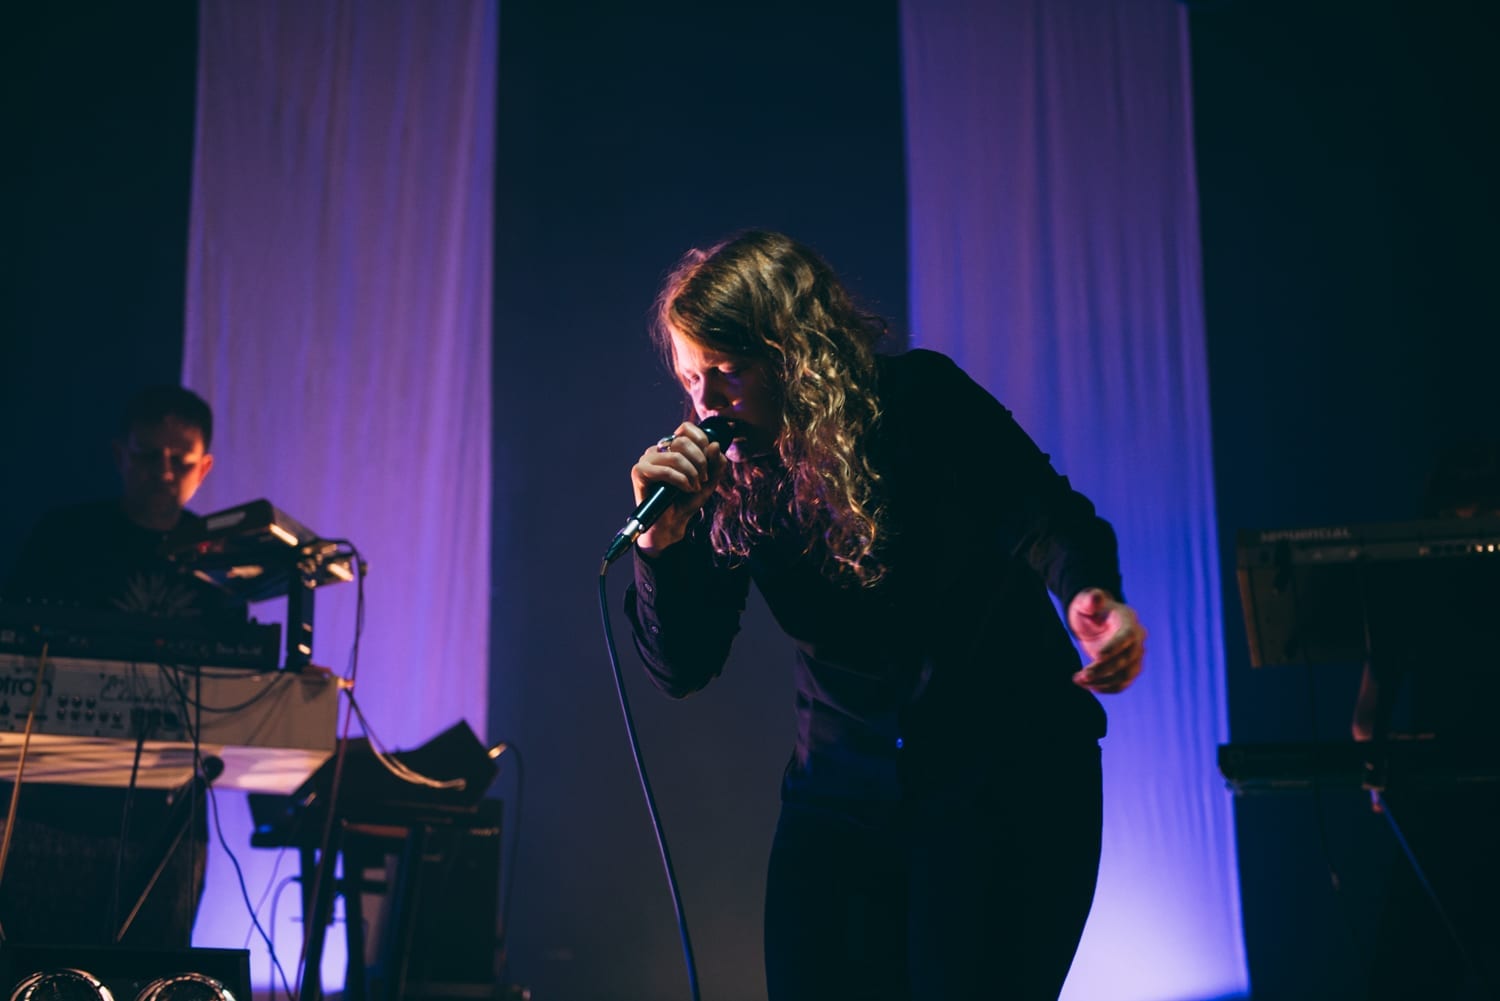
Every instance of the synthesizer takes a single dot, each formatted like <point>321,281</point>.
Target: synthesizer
<point>270,729</point>
<point>256,551</point>
<point>1399,761</point>
<point>1340,593</point>
<point>77,631</point>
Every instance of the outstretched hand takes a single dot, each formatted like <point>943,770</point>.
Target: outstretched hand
<point>1112,638</point>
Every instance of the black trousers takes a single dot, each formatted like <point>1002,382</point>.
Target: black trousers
<point>975,884</point>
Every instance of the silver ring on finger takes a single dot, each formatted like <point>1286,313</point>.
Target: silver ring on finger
<point>665,445</point>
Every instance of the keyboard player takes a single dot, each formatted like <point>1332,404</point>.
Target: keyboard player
<point>59,884</point>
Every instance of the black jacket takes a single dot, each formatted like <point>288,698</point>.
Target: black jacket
<point>959,648</point>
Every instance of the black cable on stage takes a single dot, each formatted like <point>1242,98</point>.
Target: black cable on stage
<point>145,728</point>
<point>239,875</point>
<point>640,770</point>
<point>194,725</point>
<point>508,876</point>
<point>195,791</point>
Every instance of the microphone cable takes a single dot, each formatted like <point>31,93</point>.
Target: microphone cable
<point>640,770</point>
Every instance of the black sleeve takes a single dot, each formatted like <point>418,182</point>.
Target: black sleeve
<point>1001,473</point>
<point>685,612</point>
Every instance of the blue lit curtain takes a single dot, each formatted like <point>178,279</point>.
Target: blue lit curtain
<point>339,320</point>
<point>1054,254</point>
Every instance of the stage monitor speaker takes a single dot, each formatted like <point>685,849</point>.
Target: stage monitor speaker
<point>98,973</point>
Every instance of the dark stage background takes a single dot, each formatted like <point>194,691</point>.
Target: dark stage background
<point>98,168</point>
<point>1345,165</point>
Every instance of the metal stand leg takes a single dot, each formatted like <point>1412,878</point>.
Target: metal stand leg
<point>178,825</point>
<point>299,623</point>
<point>317,919</point>
<point>352,886</point>
<point>403,898</point>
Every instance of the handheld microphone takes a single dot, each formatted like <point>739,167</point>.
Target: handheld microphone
<point>662,496</point>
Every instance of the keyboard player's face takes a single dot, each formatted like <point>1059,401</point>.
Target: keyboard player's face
<point>161,466</point>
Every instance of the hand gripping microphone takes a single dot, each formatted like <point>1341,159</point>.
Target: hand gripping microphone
<point>662,496</point>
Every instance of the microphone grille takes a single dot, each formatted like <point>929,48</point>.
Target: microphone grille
<point>720,429</point>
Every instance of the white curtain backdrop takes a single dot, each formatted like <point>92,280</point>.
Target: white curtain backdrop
<point>339,322</point>
<point>1054,254</point>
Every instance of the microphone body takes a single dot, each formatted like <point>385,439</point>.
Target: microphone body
<point>661,496</point>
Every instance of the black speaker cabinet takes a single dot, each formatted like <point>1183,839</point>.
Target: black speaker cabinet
<point>95,973</point>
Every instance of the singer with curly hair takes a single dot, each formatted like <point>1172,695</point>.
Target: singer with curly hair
<point>941,811</point>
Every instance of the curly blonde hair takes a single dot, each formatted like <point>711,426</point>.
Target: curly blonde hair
<point>765,297</point>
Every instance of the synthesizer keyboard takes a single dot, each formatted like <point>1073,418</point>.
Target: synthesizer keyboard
<point>270,729</point>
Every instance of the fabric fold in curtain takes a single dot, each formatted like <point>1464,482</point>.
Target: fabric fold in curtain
<point>339,322</point>
<point>1054,254</point>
